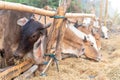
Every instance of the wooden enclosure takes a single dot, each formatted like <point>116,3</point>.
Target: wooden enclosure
<point>61,11</point>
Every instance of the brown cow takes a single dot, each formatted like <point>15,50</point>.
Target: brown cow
<point>11,31</point>
<point>90,31</point>
<point>73,44</point>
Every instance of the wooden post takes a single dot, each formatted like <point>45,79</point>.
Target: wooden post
<point>57,26</point>
<point>101,9</point>
<point>56,34</point>
<point>106,12</point>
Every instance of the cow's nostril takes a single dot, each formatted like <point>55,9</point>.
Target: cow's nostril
<point>98,59</point>
<point>16,56</point>
<point>83,49</point>
<point>92,44</point>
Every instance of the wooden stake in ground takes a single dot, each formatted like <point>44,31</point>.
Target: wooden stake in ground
<point>16,70</point>
<point>57,28</point>
<point>55,35</point>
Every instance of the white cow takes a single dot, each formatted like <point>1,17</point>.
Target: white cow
<point>86,21</point>
<point>104,30</point>
<point>82,35</point>
<point>96,24</point>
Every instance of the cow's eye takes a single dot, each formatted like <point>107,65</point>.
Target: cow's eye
<point>34,37</point>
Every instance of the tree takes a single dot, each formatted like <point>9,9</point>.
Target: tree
<point>37,3</point>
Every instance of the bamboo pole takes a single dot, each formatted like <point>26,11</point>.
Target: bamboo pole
<point>56,35</point>
<point>25,8</point>
<point>16,70</point>
<point>106,12</point>
<point>81,15</point>
<point>101,9</point>
<point>100,16</point>
<point>57,26</point>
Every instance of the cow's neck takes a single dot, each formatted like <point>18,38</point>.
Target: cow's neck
<point>77,32</point>
<point>82,35</point>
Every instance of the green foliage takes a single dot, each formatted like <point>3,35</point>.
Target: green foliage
<point>52,3</point>
<point>75,6</point>
<point>37,3</point>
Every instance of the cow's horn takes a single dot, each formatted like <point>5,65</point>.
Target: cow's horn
<point>47,25</point>
<point>85,39</point>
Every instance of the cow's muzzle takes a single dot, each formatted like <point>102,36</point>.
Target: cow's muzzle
<point>18,55</point>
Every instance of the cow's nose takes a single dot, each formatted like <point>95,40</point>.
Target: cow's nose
<point>98,59</point>
<point>16,56</point>
<point>92,44</point>
<point>106,38</point>
<point>99,48</point>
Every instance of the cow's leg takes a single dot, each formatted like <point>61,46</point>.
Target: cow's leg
<point>8,52</point>
<point>2,59</point>
<point>8,56</point>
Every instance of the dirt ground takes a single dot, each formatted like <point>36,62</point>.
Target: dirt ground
<point>83,69</point>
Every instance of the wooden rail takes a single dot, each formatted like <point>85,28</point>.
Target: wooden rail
<point>25,8</point>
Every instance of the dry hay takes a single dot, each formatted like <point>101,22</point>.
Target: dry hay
<point>114,73</point>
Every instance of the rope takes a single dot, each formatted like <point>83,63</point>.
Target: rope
<point>58,17</point>
<point>43,74</point>
<point>45,63</point>
<point>54,58</point>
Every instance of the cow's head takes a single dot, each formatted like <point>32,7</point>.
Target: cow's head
<point>105,32</point>
<point>90,51</point>
<point>31,31</point>
<point>96,34</point>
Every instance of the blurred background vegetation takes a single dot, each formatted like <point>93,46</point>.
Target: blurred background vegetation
<point>80,6</point>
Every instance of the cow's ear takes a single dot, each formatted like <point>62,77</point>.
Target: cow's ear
<point>22,21</point>
<point>93,32</point>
